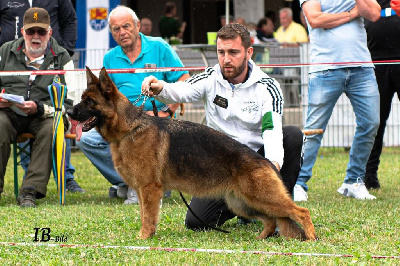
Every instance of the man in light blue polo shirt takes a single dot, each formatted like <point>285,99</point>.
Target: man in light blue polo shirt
<point>337,35</point>
<point>134,50</point>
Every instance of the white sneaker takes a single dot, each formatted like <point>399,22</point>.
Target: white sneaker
<point>355,190</point>
<point>132,197</point>
<point>299,194</point>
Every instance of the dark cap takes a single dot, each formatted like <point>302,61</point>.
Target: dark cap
<point>36,17</point>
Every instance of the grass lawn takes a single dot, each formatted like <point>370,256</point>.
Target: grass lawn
<point>345,226</point>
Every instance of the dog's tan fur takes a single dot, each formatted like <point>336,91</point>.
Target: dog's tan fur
<point>154,154</point>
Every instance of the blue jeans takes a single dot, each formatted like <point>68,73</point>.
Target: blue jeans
<point>324,89</point>
<point>97,150</point>
<point>69,169</point>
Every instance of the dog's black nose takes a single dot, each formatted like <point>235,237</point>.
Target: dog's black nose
<point>70,111</point>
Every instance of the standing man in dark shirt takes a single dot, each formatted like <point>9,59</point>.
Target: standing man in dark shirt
<point>384,44</point>
<point>169,24</point>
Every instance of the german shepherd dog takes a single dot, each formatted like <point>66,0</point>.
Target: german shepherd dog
<point>154,154</point>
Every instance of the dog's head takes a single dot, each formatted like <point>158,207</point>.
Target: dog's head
<point>96,104</point>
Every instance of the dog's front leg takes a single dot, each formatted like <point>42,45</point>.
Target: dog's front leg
<point>150,197</point>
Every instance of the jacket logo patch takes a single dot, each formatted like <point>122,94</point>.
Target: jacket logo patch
<point>221,101</point>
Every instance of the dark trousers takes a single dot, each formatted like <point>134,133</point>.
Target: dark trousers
<point>39,169</point>
<point>216,212</point>
<point>388,79</point>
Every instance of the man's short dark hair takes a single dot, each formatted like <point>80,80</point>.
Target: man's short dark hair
<point>169,6</point>
<point>232,31</point>
<point>262,22</point>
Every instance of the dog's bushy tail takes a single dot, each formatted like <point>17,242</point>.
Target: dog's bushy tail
<point>290,229</point>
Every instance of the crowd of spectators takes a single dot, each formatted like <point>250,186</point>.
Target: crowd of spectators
<point>266,30</point>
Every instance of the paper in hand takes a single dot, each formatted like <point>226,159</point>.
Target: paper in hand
<point>14,99</point>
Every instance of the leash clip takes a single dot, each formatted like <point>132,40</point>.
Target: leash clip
<point>138,99</point>
<point>145,97</point>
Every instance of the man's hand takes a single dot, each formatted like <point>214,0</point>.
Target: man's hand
<point>318,19</point>
<point>277,166</point>
<point>354,12</point>
<point>151,86</point>
<point>4,103</point>
<point>369,9</point>
<point>29,107</point>
<point>172,107</point>
<point>160,113</point>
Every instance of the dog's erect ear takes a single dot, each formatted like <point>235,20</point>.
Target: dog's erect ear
<point>91,78</point>
<point>106,83</point>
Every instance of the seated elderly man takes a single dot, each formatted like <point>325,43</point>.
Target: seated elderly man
<point>290,33</point>
<point>35,50</point>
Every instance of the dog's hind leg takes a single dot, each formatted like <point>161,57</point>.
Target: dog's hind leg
<point>302,216</point>
<point>287,227</point>
<point>239,207</point>
<point>289,218</point>
<point>290,229</point>
<point>269,227</point>
<point>150,196</point>
<point>287,213</point>
<point>269,197</point>
<point>286,218</point>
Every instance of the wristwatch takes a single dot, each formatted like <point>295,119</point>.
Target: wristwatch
<point>165,108</point>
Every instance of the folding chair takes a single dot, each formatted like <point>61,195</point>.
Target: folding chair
<point>23,152</point>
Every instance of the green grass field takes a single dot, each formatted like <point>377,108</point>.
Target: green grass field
<point>345,226</point>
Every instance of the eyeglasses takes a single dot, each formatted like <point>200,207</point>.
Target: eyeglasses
<point>41,32</point>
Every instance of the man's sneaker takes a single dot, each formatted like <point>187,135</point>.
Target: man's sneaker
<point>132,197</point>
<point>27,197</point>
<point>122,191</point>
<point>299,194</point>
<point>112,192</point>
<point>371,181</point>
<point>72,186</point>
<point>355,190</point>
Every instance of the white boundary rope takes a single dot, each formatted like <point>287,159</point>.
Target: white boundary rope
<point>220,251</point>
<point>175,69</point>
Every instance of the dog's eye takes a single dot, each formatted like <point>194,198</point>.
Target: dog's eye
<point>89,101</point>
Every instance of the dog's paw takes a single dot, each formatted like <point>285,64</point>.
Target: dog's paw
<point>145,234</point>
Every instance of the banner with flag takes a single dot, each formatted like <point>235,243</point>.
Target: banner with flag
<point>94,37</point>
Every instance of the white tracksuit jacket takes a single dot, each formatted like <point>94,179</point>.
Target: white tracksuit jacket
<point>247,103</point>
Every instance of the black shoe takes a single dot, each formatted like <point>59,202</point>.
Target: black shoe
<point>371,181</point>
<point>112,192</point>
<point>73,186</point>
<point>27,198</point>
